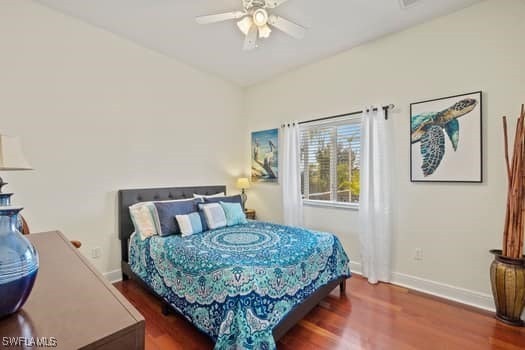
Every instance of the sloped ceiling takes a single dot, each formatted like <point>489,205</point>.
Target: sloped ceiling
<point>169,27</point>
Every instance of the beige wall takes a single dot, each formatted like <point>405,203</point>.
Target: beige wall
<point>479,48</point>
<point>97,113</point>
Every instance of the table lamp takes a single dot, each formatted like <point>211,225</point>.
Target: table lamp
<point>11,156</point>
<point>243,183</point>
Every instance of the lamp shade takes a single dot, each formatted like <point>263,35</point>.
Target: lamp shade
<point>245,24</point>
<point>11,155</point>
<point>243,183</point>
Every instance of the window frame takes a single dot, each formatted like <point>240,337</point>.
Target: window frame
<point>344,119</point>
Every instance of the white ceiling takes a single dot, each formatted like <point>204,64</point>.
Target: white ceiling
<point>169,26</point>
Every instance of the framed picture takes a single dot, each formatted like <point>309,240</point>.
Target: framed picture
<point>265,155</point>
<point>446,139</point>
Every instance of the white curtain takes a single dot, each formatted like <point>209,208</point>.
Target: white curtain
<point>291,176</point>
<point>374,199</point>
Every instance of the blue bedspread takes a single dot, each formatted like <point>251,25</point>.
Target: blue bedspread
<point>237,283</point>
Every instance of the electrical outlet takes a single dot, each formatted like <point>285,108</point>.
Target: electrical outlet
<point>96,252</point>
<point>418,255</point>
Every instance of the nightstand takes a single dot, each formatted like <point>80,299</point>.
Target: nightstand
<point>250,214</point>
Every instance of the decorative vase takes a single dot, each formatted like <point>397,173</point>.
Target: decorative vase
<point>18,263</point>
<point>507,276</point>
<point>5,201</point>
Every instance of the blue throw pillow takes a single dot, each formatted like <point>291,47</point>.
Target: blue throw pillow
<point>189,224</point>
<point>203,221</point>
<point>234,213</point>
<point>167,211</point>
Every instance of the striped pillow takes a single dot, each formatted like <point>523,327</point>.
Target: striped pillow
<point>189,224</point>
<point>214,214</point>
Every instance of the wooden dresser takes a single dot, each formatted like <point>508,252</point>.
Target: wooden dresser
<point>72,304</point>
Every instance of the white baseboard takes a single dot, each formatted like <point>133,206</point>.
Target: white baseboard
<point>355,267</point>
<point>461,295</point>
<point>113,276</point>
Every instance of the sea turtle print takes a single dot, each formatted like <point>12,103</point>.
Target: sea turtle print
<point>429,129</point>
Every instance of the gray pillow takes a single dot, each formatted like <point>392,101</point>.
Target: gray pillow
<point>167,211</point>
<point>228,199</point>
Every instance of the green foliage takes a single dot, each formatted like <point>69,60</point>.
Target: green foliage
<point>347,172</point>
<point>355,185</point>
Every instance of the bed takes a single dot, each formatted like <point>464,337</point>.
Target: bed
<point>244,286</point>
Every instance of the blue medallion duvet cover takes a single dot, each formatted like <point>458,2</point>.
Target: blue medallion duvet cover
<point>237,283</point>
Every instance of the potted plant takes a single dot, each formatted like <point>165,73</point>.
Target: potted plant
<point>507,272</point>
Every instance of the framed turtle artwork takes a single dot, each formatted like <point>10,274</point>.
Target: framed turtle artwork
<point>446,143</point>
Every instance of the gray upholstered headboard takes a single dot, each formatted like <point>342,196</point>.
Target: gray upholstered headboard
<point>126,198</point>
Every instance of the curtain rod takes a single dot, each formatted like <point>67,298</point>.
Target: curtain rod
<point>385,108</point>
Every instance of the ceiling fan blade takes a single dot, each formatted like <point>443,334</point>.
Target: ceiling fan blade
<point>274,3</point>
<point>250,41</point>
<point>287,26</point>
<point>220,17</point>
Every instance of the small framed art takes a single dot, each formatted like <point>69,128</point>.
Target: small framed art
<point>265,156</point>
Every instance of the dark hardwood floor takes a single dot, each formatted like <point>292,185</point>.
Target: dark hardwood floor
<point>369,317</point>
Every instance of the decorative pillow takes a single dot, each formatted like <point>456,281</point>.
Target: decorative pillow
<point>234,213</point>
<point>189,224</point>
<point>154,220</point>
<point>221,194</point>
<point>142,217</point>
<point>214,215</point>
<point>230,199</point>
<point>167,211</point>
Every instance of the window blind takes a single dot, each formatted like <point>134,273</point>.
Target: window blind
<point>330,160</point>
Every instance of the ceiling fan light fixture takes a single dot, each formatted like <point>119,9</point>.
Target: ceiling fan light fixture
<point>265,31</point>
<point>256,23</point>
<point>245,24</point>
<point>260,17</point>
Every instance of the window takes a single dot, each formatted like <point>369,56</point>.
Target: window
<point>330,162</point>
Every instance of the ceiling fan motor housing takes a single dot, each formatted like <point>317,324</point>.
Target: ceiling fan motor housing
<point>251,4</point>
<point>260,17</point>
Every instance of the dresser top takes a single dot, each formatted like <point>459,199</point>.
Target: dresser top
<point>71,301</point>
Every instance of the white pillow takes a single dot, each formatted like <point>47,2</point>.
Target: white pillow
<point>221,194</point>
<point>142,217</point>
<point>214,214</point>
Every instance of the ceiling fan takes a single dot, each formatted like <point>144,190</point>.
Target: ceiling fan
<point>255,21</point>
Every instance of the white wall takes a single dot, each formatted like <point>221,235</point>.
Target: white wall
<point>479,48</point>
<point>97,113</point>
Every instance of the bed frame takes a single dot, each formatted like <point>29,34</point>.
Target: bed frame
<point>126,198</point>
